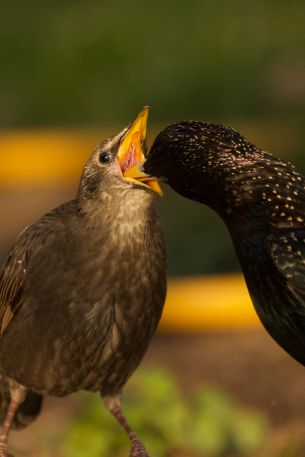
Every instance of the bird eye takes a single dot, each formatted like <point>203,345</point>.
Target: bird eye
<point>105,157</point>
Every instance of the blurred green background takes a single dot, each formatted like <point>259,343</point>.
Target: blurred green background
<point>90,67</point>
<point>83,63</point>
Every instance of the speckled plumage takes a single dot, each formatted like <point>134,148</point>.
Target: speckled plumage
<point>83,288</point>
<point>261,200</point>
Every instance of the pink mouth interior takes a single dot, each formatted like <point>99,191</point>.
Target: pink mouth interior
<point>130,159</point>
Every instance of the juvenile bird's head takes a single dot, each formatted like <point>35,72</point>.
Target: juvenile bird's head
<point>216,165</point>
<point>115,164</point>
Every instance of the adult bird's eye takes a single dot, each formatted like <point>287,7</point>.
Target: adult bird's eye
<point>105,157</point>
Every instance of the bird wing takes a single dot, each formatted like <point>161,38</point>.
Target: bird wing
<point>11,287</point>
<point>288,254</point>
<point>13,273</point>
<point>28,245</point>
<point>11,282</point>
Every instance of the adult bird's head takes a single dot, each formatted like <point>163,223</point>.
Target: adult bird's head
<point>216,165</point>
<point>115,164</point>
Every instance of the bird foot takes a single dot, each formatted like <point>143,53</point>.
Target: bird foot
<point>137,449</point>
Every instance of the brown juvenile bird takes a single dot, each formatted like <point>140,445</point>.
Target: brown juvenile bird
<point>82,291</point>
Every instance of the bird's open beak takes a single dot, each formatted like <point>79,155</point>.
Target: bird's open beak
<point>131,155</point>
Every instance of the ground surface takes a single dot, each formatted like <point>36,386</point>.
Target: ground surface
<point>248,365</point>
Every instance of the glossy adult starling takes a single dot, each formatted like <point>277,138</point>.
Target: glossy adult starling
<point>82,291</point>
<point>261,199</point>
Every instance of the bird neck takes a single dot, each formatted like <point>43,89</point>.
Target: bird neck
<point>125,208</point>
<point>266,194</point>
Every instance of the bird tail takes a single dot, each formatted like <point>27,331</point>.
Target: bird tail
<point>27,411</point>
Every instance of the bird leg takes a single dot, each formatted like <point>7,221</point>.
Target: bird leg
<point>113,404</point>
<point>17,396</point>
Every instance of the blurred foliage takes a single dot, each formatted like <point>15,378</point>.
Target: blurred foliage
<point>206,423</point>
<point>91,62</point>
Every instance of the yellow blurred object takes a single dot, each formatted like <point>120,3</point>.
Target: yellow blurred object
<point>208,303</point>
<point>42,157</point>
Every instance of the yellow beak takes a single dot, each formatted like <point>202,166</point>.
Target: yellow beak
<point>131,155</point>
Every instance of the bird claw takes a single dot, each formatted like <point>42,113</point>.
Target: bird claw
<point>137,449</point>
